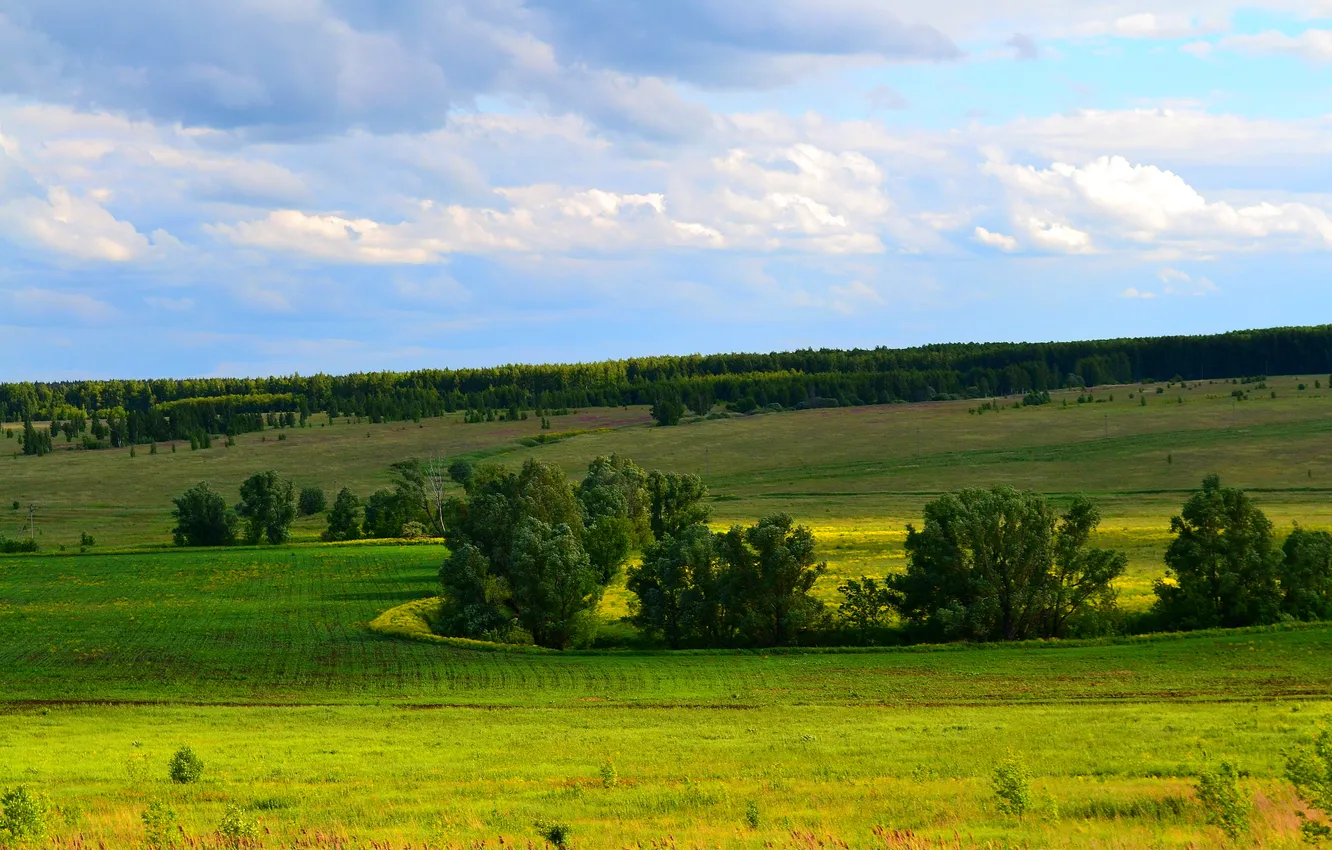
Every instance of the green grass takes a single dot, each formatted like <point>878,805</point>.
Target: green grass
<point>263,661</point>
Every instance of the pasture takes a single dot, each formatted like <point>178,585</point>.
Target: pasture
<point>334,736</point>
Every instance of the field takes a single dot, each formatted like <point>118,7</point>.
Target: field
<point>261,658</point>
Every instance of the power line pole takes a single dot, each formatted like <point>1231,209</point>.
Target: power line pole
<point>32,522</point>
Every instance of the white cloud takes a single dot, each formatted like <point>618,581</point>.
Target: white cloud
<point>1148,206</point>
<point>1311,45</point>
<point>853,296</point>
<point>72,226</point>
<point>1131,292</point>
<point>996,240</point>
<point>1182,283</point>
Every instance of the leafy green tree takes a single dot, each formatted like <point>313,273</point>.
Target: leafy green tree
<point>1000,564</point>
<point>1309,769</point>
<point>203,518</point>
<point>185,767</point>
<point>344,520</point>
<point>268,506</point>
<point>555,588</point>
<point>1011,783</point>
<point>865,603</point>
<point>771,568</point>
<point>668,411</point>
<point>675,502</point>
<point>617,487</point>
<point>1223,563</point>
<point>23,814</point>
<point>312,501</point>
<point>1305,575</point>
<point>385,514</point>
<point>677,592</point>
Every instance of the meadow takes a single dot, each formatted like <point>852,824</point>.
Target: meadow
<point>331,734</point>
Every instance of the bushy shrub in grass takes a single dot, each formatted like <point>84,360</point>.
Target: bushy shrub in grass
<point>237,828</point>
<point>1011,783</point>
<point>160,829</point>
<point>185,767</point>
<point>554,833</point>
<point>1224,803</point>
<point>23,814</point>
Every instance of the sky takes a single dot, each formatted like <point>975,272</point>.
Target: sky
<point>256,187</point>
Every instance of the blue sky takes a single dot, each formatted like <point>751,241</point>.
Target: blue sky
<point>257,187</point>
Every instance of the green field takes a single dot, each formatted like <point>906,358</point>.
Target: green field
<point>262,660</point>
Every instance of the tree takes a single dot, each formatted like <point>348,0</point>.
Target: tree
<point>675,502</point>
<point>312,501</point>
<point>999,564</point>
<point>386,512</point>
<point>668,411</point>
<point>1224,803</point>
<point>677,595</point>
<point>203,518</point>
<point>268,506</point>
<point>555,588</point>
<point>770,569</point>
<point>344,521</point>
<point>1223,563</point>
<point>1306,575</point>
<point>1082,578</point>
<point>865,603</point>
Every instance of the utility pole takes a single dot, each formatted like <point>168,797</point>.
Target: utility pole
<point>1107,426</point>
<point>32,522</point>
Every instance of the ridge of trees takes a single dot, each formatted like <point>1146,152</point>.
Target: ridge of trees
<point>141,411</point>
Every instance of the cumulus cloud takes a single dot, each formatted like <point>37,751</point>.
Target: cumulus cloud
<point>1133,292</point>
<point>1147,205</point>
<point>54,305</point>
<point>995,240</point>
<point>1024,47</point>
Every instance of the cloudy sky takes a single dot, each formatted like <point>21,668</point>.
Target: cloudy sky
<point>245,187</point>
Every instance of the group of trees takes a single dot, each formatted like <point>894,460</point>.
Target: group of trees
<point>265,512</point>
<point>532,553</point>
<point>1000,564</point>
<point>159,410</point>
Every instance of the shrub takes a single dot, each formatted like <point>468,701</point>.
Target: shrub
<point>1224,804</point>
<point>414,531</point>
<point>23,813</point>
<point>185,767</point>
<point>554,833</point>
<point>86,539</point>
<point>159,826</point>
<point>1309,769</point>
<point>312,501</point>
<point>237,829</point>
<point>610,777</point>
<point>1011,783</point>
<point>752,818</point>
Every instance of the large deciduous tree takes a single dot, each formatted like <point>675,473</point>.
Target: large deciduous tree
<point>203,518</point>
<point>1001,564</point>
<point>1223,564</point>
<point>1306,575</point>
<point>268,506</point>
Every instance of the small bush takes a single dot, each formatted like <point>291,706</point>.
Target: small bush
<point>185,767</point>
<point>159,826</point>
<point>1224,804</point>
<point>752,818</point>
<point>86,539</point>
<point>23,813</point>
<point>610,777</point>
<point>1309,769</point>
<point>1011,783</point>
<point>237,829</point>
<point>554,833</point>
<point>414,531</point>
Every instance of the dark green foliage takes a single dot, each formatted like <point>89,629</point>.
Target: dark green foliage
<point>668,411</point>
<point>675,502</point>
<point>268,506</point>
<point>185,767</point>
<point>35,442</point>
<point>616,509</point>
<point>999,564</point>
<point>203,518</point>
<point>86,539</point>
<point>1309,769</point>
<point>387,512</point>
<point>10,546</point>
<point>555,834</point>
<point>1224,803</point>
<point>1035,398</point>
<point>461,471</point>
<point>745,587</point>
<point>519,555</point>
<point>679,590</point>
<point>344,521</point>
<point>1305,575</point>
<point>1223,562</point>
<point>312,501</point>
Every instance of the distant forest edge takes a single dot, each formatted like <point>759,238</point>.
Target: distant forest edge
<point>140,411</point>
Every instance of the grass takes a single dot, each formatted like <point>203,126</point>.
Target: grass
<point>328,731</point>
